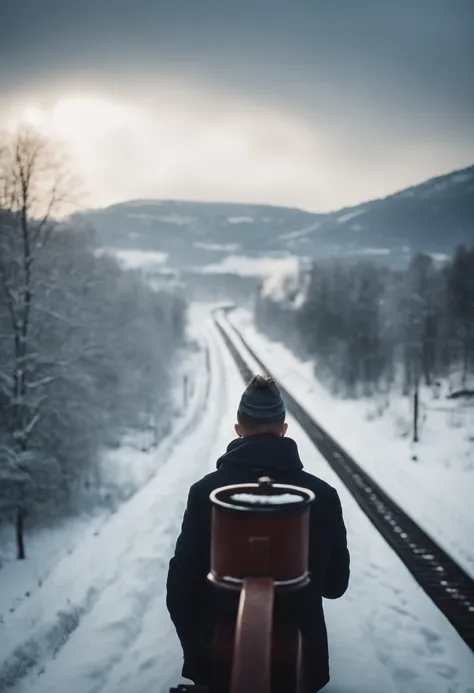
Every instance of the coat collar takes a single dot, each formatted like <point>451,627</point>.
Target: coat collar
<point>262,452</point>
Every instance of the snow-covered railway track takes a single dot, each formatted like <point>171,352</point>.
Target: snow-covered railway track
<point>443,580</point>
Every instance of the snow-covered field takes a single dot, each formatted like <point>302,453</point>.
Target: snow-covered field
<point>98,621</point>
<point>436,488</point>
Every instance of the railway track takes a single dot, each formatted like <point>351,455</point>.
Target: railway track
<point>443,580</point>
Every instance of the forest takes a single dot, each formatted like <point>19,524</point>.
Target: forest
<point>85,347</point>
<point>369,328</point>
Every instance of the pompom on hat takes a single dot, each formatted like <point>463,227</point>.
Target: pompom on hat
<point>262,400</point>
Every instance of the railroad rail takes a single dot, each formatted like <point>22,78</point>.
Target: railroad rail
<point>449,587</point>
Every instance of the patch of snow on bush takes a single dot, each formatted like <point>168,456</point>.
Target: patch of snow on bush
<point>439,257</point>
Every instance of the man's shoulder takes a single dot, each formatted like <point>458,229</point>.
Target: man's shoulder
<point>319,487</point>
<point>206,484</point>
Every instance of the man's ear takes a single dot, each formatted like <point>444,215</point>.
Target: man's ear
<point>284,429</point>
<point>238,430</point>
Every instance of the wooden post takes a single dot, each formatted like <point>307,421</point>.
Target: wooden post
<point>20,540</point>
<point>415,415</point>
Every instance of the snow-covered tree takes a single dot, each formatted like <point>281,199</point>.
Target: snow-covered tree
<point>460,303</point>
<point>85,347</point>
<point>364,324</point>
<point>35,185</point>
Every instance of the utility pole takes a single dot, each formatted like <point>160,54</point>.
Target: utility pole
<point>415,414</point>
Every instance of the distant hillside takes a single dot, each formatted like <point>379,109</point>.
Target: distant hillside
<point>432,217</point>
<point>197,233</point>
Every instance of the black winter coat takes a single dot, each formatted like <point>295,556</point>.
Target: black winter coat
<point>196,607</point>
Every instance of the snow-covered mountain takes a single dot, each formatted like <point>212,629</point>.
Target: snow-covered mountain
<point>433,217</point>
<point>197,233</point>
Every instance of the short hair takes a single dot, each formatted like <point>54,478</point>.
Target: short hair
<point>260,425</point>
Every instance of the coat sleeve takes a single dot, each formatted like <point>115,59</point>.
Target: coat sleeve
<point>188,570</point>
<point>336,578</point>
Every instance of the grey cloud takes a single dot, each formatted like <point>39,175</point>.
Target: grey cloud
<point>379,73</point>
<point>378,42</point>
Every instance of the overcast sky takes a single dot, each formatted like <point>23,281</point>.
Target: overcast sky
<point>312,103</point>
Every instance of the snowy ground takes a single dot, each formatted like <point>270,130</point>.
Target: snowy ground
<point>437,488</point>
<point>98,622</point>
<point>47,545</point>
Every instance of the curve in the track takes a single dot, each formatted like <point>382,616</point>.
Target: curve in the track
<point>443,580</point>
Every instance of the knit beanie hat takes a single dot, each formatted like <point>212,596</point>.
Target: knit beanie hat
<point>262,400</point>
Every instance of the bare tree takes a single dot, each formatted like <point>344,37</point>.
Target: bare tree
<point>35,188</point>
<point>86,349</point>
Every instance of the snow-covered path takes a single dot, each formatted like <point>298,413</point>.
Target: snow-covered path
<point>437,490</point>
<point>90,610</point>
<point>99,623</point>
